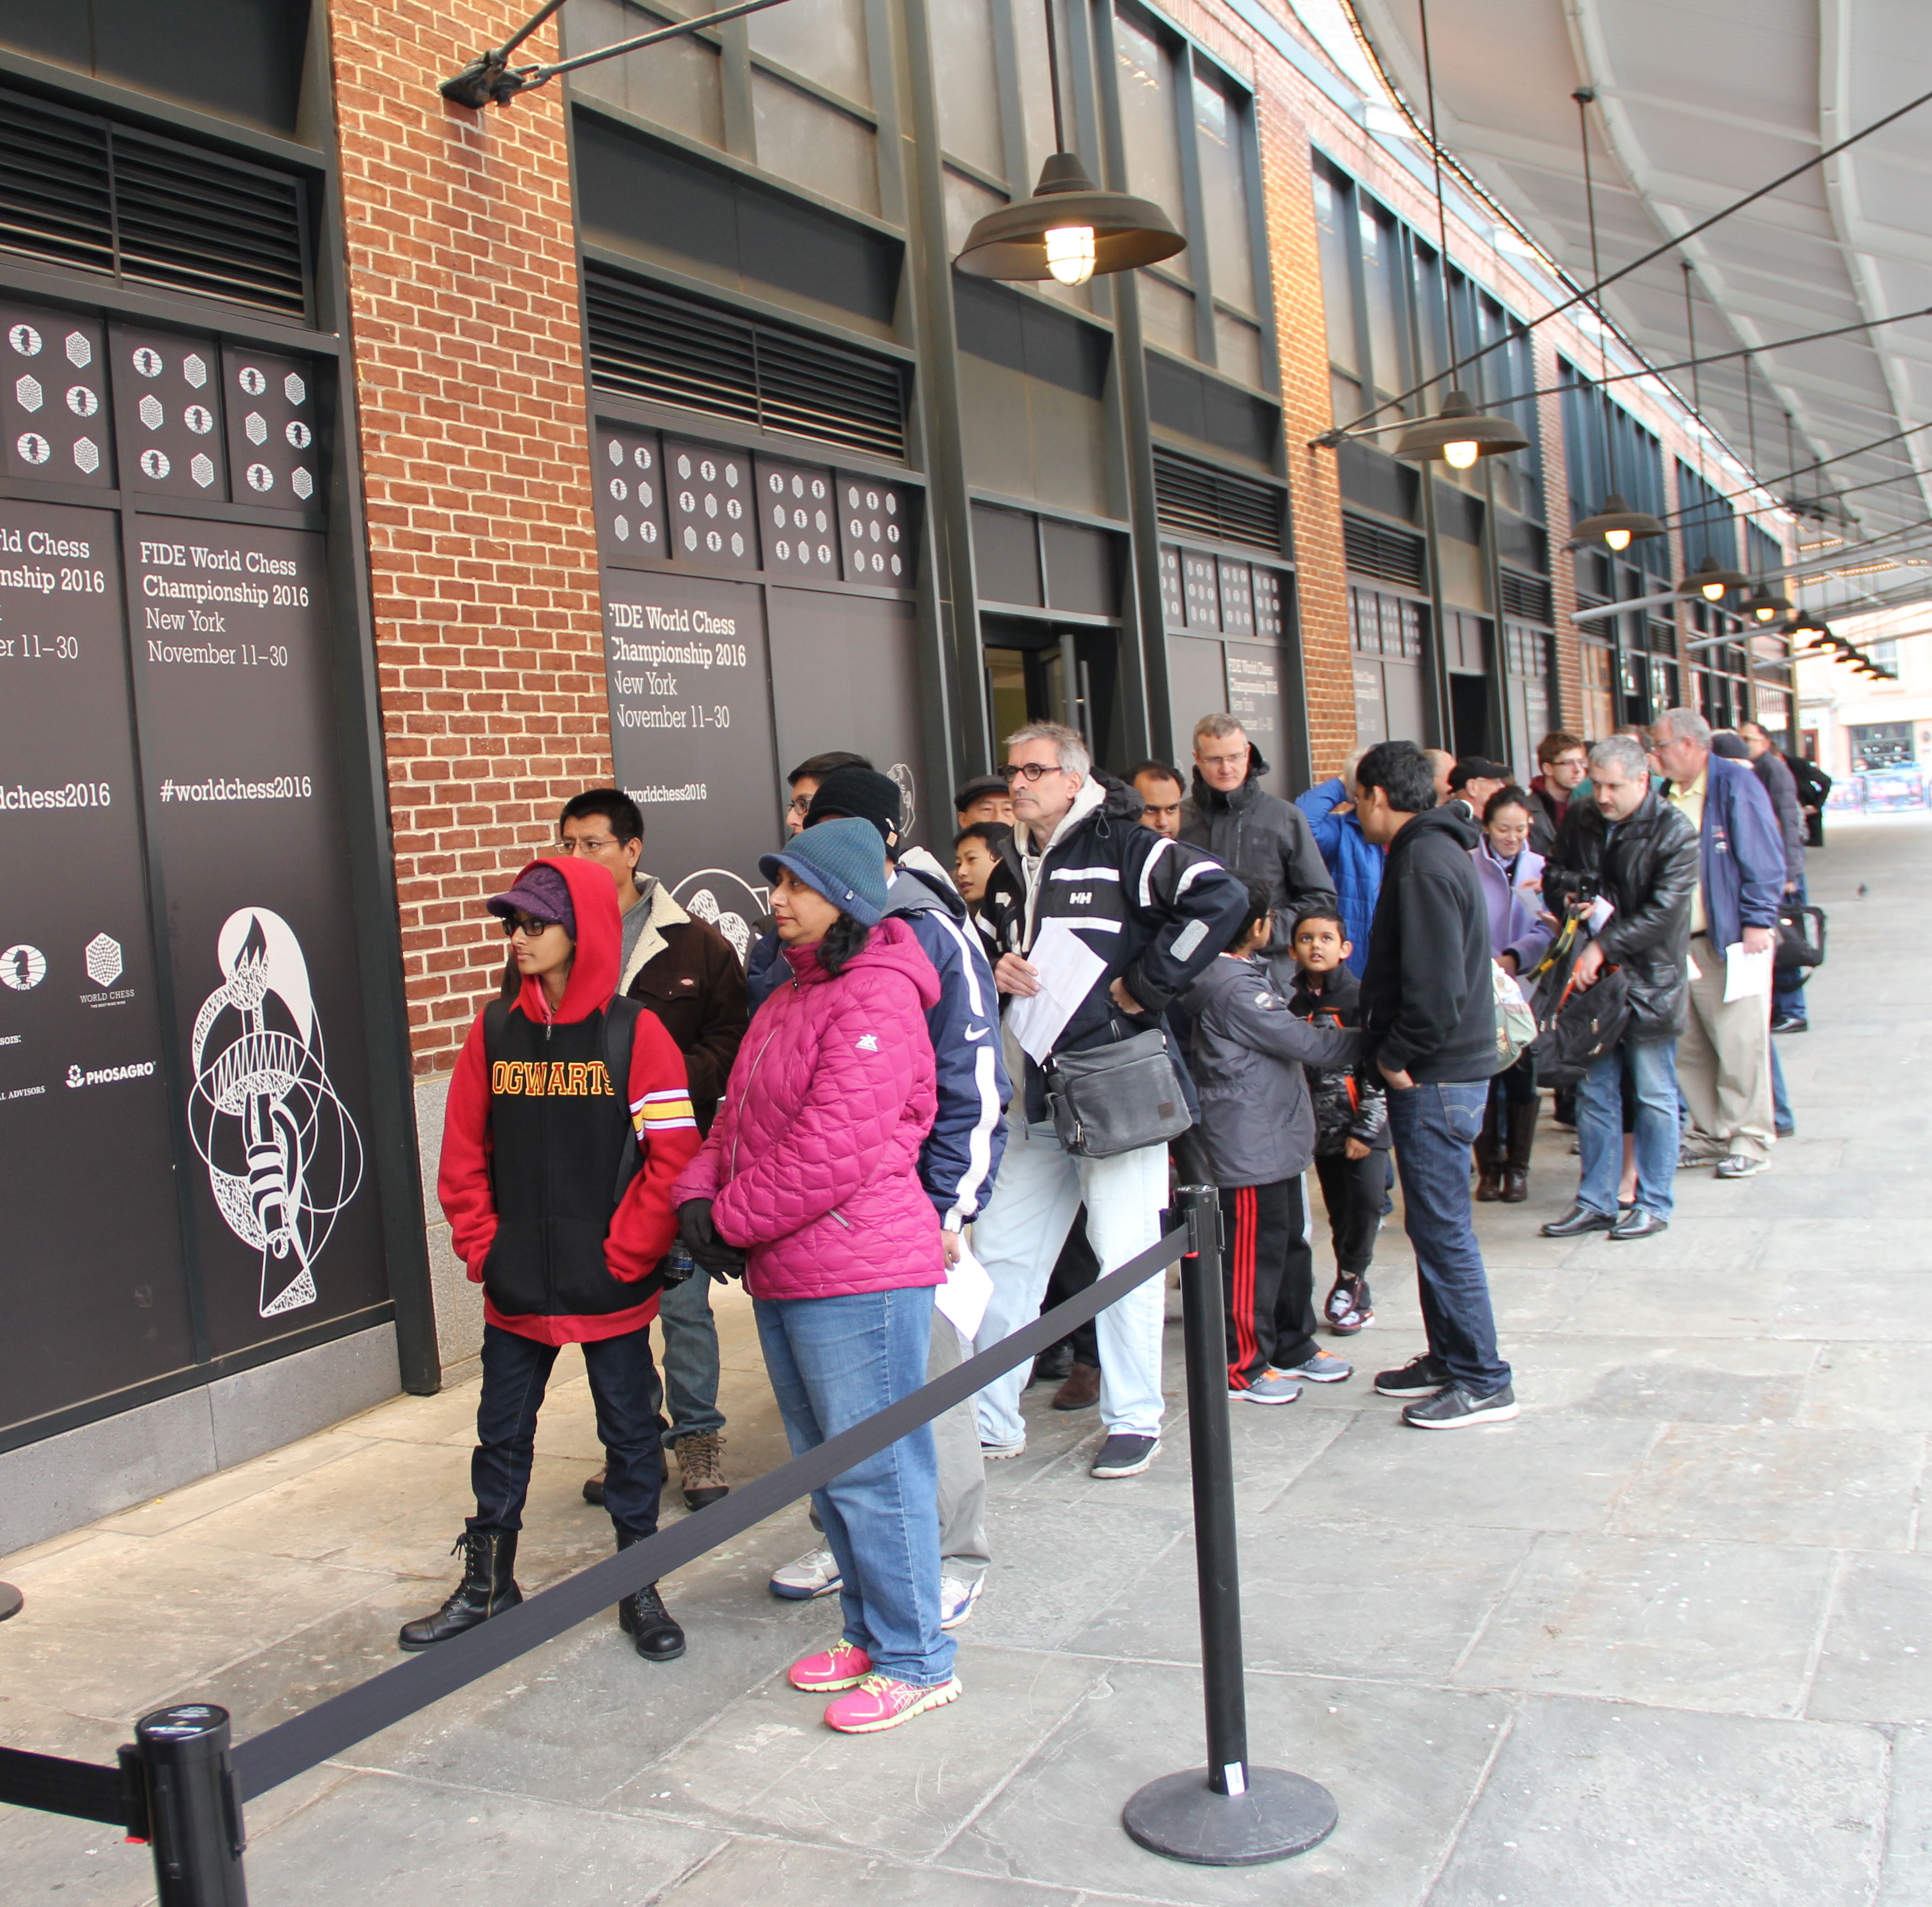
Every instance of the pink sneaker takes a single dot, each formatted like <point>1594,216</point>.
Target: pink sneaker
<point>844,1665</point>
<point>879,1703</point>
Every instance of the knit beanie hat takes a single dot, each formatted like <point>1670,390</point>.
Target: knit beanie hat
<point>840,860</point>
<point>543,894</point>
<point>859,794</point>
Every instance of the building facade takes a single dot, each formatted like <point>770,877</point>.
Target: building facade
<point>379,473</point>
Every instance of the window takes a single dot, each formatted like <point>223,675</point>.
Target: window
<point>1332,211</point>
<point>677,83</point>
<point>969,101</point>
<point>1382,276</point>
<point>1221,141</point>
<point>825,42</point>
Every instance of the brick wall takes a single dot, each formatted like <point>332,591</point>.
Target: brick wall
<point>482,557</point>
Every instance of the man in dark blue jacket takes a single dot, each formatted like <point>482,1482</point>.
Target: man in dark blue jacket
<point>1724,1059</point>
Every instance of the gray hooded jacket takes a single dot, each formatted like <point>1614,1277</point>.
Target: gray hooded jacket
<point>1247,1055</point>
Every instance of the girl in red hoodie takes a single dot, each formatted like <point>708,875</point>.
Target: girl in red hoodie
<point>809,1184</point>
<point>559,1153</point>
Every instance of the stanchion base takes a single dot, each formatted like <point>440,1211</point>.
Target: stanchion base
<point>1181,1817</point>
<point>11,1601</point>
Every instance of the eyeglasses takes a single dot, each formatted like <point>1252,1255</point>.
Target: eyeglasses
<point>529,929</point>
<point>1032,770</point>
<point>581,846</point>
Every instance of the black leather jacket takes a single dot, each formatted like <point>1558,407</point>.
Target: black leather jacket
<point>1647,867</point>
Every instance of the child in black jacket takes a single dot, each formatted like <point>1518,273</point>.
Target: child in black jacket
<point>1351,1145</point>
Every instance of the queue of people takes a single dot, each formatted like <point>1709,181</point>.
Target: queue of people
<point>881,1088</point>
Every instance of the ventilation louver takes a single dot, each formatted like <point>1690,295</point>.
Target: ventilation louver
<point>1378,550</point>
<point>1527,596</point>
<point>663,349</point>
<point>78,190</point>
<point>1202,499</point>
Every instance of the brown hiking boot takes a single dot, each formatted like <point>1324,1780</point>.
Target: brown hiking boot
<point>700,1463</point>
<point>1081,1390</point>
<point>593,1488</point>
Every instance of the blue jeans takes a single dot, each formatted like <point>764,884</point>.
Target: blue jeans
<point>1780,1101</point>
<point>690,1358</point>
<point>1599,1126</point>
<point>1787,997</point>
<point>623,1385</point>
<point>834,1361</point>
<point>1433,1126</point>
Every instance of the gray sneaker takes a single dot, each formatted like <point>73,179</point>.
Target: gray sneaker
<point>814,1574</point>
<point>1270,1387</point>
<point>1323,1367</point>
<point>1741,1165</point>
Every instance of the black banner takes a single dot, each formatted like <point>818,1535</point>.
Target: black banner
<point>91,1279</point>
<point>691,734</point>
<point>231,645</point>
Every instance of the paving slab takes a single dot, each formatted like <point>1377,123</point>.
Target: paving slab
<point>1876,1662</point>
<point>1906,1878</point>
<point>1631,1807</point>
<point>750,1870</point>
<point>1711,1380</point>
<point>1733,1628</point>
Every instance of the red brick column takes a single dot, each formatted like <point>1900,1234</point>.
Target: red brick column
<point>462,272</point>
<point>1313,478</point>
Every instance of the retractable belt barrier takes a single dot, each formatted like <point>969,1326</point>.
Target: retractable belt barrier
<point>181,1786</point>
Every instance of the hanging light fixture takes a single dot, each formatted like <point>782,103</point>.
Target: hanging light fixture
<point>1616,524</point>
<point>1765,602</point>
<point>1711,579</point>
<point>1458,434</point>
<point>1070,229</point>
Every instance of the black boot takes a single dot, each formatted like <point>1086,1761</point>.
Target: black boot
<point>1488,1158</point>
<point>1515,1165</point>
<point>653,1630</point>
<point>488,1588</point>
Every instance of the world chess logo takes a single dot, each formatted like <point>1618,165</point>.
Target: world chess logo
<point>720,899</point>
<point>283,1156</point>
<point>103,960</point>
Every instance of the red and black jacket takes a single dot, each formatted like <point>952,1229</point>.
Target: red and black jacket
<point>555,1177</point>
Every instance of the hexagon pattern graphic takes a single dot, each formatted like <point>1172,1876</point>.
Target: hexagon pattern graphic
<point>293,388</point>
<point>27,391</point>
<point>151,412</point>
<point>256,426</point>
<point>194,368</point>
<point>86,455</point>
<point>203,469</point>
<point>79,350</point>
<point>102,956</point>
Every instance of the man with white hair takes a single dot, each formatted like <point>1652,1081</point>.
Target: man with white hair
<point>1155,912</point>
<point>1724,1059</point>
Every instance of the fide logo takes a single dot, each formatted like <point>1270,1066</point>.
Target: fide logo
<point>23,968</point>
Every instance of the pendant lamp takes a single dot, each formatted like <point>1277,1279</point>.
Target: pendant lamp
<point>1458,434</point>
<point>1070,229</point>
<point>1617,524</point>
<point>1710,580</point>
<point>1763,603</point>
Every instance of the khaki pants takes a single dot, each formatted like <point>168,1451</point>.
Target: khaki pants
<point>1723,1065</point>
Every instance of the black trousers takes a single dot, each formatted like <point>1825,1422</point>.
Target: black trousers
<point>1073,1272</point>
<point>623,1385</point>
<point>1353,1190</point>
<point>1269,1273</point>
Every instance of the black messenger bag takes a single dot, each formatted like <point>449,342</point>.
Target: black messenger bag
<point>1117,1098</point>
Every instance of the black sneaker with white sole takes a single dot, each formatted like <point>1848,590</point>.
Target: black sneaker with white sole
<point>1455,1409</point>
<point>1123,1455</point>
<point>1420,1376</point>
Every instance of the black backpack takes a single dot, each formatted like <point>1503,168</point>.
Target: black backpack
<point>1578,1025</point>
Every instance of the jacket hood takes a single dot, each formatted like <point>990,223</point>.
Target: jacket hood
<point>1452,818</point>
<point>1101,795</point>
<point>1206,797</point>
<point>920,885</point>
<point>891,947</point>
<point>593,972</point>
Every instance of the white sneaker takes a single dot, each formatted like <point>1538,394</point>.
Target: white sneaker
<point>815,1573</point>
<point>956,1600</point>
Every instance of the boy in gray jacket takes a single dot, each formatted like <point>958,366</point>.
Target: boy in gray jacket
<point>1248,1050</point>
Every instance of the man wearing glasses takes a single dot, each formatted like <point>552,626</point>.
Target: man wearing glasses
<point>685,972</point>
<point>1156,912</point>
<point>1564,760</point>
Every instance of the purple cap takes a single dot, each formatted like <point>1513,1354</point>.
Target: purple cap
<point>542,893</point>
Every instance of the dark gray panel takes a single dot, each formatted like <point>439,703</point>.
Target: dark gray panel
<point>1371,710</point>
<point>1006,556</point>
<point>1173,602</point>
<point>246,828</point>
<point>797,518</point>
<point>709,491</point>
<point>1237,598</point>
<point>791,250</point>
<point>273,418</point>
<point>642,199</point>
<point>989,322</point>
<point>1183,399</point>
<point>1457,513</point>
<point>1377,482</point>
<point>845,674</point>
<point>167,411</point>
<point>627,484</point>
<point>53,396</point>
<point>1197,685</point>
<point>95,1290</point>
<point>1201,587</point>
<point>878,529</point>
<point>1521,542</point>
<point>1082,568</point>
<point>1257,673</point>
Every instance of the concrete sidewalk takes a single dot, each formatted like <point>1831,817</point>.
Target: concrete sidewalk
<point>1664,1640</point>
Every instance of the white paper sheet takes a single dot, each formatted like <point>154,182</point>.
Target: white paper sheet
<point>1067,967</point>
<point>1746,976</point>
<point>1598,917</point>
<point>963,1298</point>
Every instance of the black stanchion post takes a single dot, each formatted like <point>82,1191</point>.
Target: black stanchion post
<point>1232,1815</point>
<point>194,1806</point>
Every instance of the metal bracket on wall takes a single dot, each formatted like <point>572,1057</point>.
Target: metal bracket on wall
<point>490,80</point>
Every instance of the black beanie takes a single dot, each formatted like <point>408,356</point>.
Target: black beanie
<point>859,794</point>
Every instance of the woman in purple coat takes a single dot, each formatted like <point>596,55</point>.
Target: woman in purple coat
<point>809,1182</point>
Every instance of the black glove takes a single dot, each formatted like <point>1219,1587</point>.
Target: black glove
<point>700,1238</point>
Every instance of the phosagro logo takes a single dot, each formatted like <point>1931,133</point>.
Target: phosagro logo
<point>102,1076</point>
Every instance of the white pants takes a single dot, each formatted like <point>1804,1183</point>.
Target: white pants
<point>1018,1239</point>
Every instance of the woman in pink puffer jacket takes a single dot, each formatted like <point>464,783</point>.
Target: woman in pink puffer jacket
<point>809,1183</point>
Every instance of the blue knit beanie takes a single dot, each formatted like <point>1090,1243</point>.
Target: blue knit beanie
<point>843,860</point>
